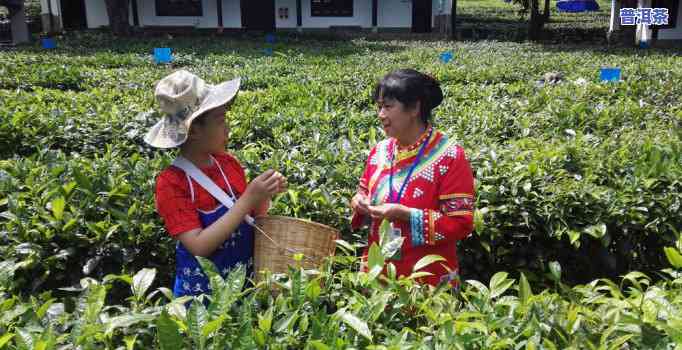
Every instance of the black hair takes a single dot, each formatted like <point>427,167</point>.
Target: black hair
<point>409,86</point>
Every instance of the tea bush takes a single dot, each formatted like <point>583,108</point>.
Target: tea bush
<point>579,172</point>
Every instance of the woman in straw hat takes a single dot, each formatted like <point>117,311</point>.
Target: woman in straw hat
<point>196,216</point>
<point>418,179</point>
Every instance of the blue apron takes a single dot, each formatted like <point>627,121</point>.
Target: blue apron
<point>236,250</point>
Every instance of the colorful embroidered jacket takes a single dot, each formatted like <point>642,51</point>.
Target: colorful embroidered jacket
<point>440,193</point>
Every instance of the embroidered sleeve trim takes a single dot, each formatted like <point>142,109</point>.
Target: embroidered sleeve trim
<point>461,213</point>
<point>417,226</point>
<point>461,204</point>
<point>455,195</point>
<point>431,240</point>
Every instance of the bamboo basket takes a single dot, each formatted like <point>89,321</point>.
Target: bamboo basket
<point>279,238</point>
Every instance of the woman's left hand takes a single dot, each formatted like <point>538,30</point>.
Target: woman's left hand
<point>390,211</point>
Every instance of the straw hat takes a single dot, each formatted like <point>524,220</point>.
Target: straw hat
<point>182,97</point>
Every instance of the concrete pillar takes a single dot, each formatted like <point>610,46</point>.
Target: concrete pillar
<point>615,16</point>
<point>20,32</point>
<point>644,33</point>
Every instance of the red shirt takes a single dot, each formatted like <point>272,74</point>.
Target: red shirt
<point>174,196</point>
<point>440,193</point>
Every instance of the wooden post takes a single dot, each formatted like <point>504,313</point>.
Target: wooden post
<point>375,15</point>
<point>453,20</point>
<point>136,17</point>
<point>219,8</point>
<point>299,15</point>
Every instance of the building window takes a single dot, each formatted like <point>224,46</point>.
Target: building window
<point>331,8</point>
<point>190,8</point>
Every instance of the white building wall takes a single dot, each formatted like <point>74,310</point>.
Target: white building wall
<point>232,14</point>
<point>96,13</point>
<point>286,22</point>
<point>673,33</point>
<point>393,13</point>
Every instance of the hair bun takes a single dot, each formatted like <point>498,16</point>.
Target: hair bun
<point>434,92</point>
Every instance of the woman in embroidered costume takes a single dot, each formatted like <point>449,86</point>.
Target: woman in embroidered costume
<point>194,121</point>
<point>418,179</point>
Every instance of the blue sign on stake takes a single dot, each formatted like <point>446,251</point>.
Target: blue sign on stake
<point>446,56</point>
<point>162,55</point>
<point>48,43</point>
<point>610,74</point>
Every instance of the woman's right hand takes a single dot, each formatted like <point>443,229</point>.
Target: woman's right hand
<point>264,186</point>
<point>360,204</point>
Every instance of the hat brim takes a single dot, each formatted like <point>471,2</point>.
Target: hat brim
<point>219,95</point>
<point>165,134</point>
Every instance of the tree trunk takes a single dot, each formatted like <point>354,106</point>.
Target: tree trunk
<point>119,20</point>
<point>545,16</point>
<point>453,21</point>
<point>535,23</point>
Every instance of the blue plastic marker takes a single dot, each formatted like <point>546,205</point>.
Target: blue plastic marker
<point>162,55</point>
<point>270,38</point>
<point>446,56</point>
<point>610,74</point>
<point>48,43</point>
<point>268,51</point>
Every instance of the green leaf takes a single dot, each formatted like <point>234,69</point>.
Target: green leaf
<point>525,292</point>
<point>555,270</point>
<point>419,274</point>
<point>212,326</point>
<point>384,231</point>
<point>674,257</point>
<point>345,245</point>
<point>94,302</point>
<point>574,237</point>
<point>499,284</point>
<point>597,231</point>
<point>196,320</point>
<point>126,321</point>
<point>168,333</point>
<point>58,205</point>
<point>142,281</point>
<point>357,324</point>
<point>391,271</point>
<point>374,257</point>
<point>43,308</point>
<point>259,337</point>
<point>319,345</point>
<point>217,284</point>
<point>375,272</point>
<point>480,286</point>
<point>130,341</point>
<point>479,222</point>
<point>286,323</point>
<point>313,289</point>
<point>4,339</point>
<point>427,260</point>
<point>390,249</point>
<point>265,321</point>
<point>69,187</point>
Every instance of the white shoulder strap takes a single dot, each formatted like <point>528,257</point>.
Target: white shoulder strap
<point>208,184</point>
